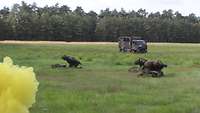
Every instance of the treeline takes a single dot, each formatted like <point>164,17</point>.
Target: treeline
<point>30,22</point>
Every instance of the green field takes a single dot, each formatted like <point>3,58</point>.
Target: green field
<point>104,85</point>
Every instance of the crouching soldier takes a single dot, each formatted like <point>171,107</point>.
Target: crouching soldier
<point>151,67</point>
<point>71,61</point>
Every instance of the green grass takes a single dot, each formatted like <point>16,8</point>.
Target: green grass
<point>104,85</point>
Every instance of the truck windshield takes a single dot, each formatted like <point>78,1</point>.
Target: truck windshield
<point>138,42</point>
<point>126,39</point>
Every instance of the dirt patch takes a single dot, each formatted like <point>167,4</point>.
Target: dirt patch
<point>134,69</point>
<point>184,69</point>
<point>175,44</point>
<point>88,43</point>
<point>53,42</point>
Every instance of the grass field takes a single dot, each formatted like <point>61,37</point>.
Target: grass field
<point>104,85</point>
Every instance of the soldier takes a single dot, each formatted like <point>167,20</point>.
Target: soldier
<point>150,67</point>
<point>154,65</point>
<point>71,61</point>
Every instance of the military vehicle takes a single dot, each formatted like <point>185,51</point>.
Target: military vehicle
<point>132,44</point>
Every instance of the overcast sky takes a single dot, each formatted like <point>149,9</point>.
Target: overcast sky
<point>184,6</point>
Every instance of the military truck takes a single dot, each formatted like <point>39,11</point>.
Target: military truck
<point>132,44</point>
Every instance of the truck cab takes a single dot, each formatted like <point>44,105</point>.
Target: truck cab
<point>132,44</point>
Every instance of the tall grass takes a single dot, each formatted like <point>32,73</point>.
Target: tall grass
<point>104,85</point>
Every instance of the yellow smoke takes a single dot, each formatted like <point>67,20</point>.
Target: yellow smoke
<point>18,87</point>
